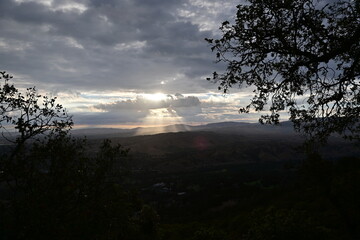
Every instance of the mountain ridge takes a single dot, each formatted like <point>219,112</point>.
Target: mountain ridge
<point>139,131</point>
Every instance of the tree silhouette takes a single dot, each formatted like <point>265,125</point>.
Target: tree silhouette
<point>51,187</point>
<point>30,113</point>
<point>300,56</point>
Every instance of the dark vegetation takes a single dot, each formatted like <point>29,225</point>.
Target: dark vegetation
<point>52,188</point>
<point>245,185</point>
<point>257,201</point>
<point>210,185</point>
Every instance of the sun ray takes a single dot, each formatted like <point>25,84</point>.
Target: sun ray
<point>166,120</point>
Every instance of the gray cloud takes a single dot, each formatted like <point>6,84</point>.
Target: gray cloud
<point>136,110</point>
<point>107,45</point>
<point>189,108</point>
<point>139,46</point>
<point>141,103</point>
<point>109,118</point>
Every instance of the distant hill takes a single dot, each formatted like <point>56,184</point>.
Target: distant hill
<point>184,147</point>
<point>102,132</point>
<point>222,127</point>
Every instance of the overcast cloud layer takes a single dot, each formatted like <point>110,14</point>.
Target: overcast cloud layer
<point>100,56</point>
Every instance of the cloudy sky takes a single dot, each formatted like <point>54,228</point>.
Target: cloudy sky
<point>121,63</point>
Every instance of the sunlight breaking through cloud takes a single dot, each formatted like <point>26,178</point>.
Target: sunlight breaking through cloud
<point>167,120</point>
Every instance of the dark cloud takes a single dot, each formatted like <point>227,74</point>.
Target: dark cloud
<point>175,106</point>
<point>141,46</point>
<point>189,108</point>
<point>106,45</point>
<point>109,118</point>
<point>141,103</point>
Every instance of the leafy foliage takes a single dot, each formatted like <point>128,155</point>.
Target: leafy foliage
<point>300,56</point>
<point>30,113</point>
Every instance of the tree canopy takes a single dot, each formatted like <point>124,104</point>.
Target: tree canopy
<point>301,56</point>
<point>52,186</point>
<point>30,113</point>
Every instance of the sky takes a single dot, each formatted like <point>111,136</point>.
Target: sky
<point>121,63</point>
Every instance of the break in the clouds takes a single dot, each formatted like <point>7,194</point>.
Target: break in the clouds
<point>152,109</point>
<point>122,47</point>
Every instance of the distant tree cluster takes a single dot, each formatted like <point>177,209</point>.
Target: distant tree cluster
<point>301,56</point>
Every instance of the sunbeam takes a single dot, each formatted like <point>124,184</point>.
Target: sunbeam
<point>166,119</point>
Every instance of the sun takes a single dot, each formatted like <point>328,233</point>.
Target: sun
<point>155,96</point>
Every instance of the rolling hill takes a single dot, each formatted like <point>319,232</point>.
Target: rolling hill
<point>184,147</point>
